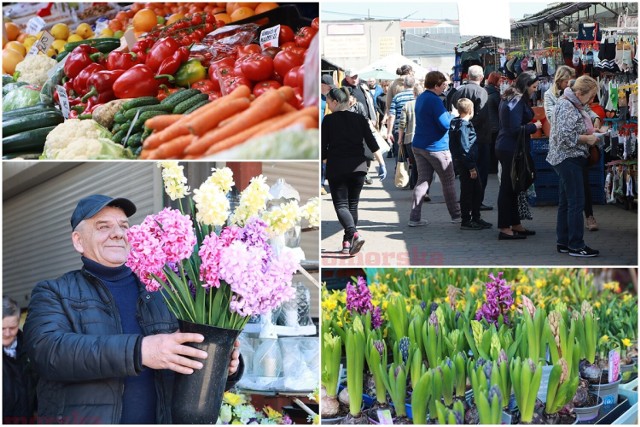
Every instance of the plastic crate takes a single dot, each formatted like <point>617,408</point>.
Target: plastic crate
<point>540,145</point>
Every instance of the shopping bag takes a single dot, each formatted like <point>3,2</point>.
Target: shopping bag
<point>402,169</point>
<point>523,172</point>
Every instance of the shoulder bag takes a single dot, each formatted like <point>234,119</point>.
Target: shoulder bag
<point>523,172</point>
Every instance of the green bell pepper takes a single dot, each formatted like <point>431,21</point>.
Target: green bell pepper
<point>190,72</point>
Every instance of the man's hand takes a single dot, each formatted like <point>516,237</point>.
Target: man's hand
<point>235,358</point>
<point>474,173</point>
<point>165,351</point>
<point>382,171</point>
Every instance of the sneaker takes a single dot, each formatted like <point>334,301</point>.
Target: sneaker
<point>484,207</point>
<point>323,191</point>
<point>470,225</point>
<point>346,247</point>
<point>563,249</point>
<point>368,181</point>
<point>483,223</point>
<point>390,155</point>
<point>456,220</point>
<point>585,252</point>
<point>591,224</point>
<point>426,198</point>
<point>417,223</point>
<point>356,244</point>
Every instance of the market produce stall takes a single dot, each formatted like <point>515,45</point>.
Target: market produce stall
<point>160,80</point>
<point>478,346</point>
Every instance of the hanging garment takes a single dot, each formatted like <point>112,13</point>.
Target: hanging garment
<point>608,188</point>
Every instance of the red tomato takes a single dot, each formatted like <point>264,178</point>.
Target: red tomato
<point>286,35</point>
<point>214,95</point>
<point>265,85</point>
<point>298,99</point>
<point>315,24</point>
<point>205,86</point>
<point>271,51</point>
<point>304,36</point>
<point>291,47</point>
<point>230,83</point>
<point>249,49</point>
<point>257,67</point>
<point>295,77</point>
<point>286,60</point>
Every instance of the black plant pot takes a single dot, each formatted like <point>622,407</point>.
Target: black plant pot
<point>197,398</point>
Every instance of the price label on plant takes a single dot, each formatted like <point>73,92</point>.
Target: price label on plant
<point>384,416</point>
<point>614,366</point>
<point>63,99</point>
<point>42,44</point>
<point>34,25</point>
<point>269,37</point>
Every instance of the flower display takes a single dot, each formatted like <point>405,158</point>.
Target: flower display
<point>283,217</point>
<point>210,273</point>
<point>236,409</point>
<point>498,300</point>
<point>311,212</point>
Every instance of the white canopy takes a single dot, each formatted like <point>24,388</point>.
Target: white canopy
<point>391,63</point>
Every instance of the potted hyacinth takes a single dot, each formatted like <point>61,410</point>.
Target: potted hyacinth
<point>215,269</point>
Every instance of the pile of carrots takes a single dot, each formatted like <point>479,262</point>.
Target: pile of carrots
<point>224,123</point>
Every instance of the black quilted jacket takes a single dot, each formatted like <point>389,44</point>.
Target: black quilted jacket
<point>74,338</point>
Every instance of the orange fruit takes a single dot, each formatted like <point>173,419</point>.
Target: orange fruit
<point>10,58</point>
<point>122,17</point>
<point>173,18</point>
<point>263,7</point>
<point>249,5</point>
<point>21,38</point>
<point>17,46</point>
<point>115,25</point>
<point>144,20</point>
<point>241,13</point>
<point>222,17</point>
<point>231,6</point>
<point>13,31</point>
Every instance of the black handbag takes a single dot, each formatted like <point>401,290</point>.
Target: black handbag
<point>523,172</point>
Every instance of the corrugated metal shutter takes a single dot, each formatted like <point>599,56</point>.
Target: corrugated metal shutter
<point>304,177</point>
<point>37,234</point>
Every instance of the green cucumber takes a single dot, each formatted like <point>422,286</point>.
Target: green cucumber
<point>177,97</point>
<point>32,121</point>
<point>20,112</point>
<point>134,140</point>
<point>119,117</point>
<point>131,113</point>
<point>104,44</point>
<point>30,141</point>
<point>118,136</point>
<point>198,105</point>
<point>187,104</point>
<point>139,123</point>
<point>140,102</point>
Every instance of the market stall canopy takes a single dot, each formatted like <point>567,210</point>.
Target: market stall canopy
<point>390,64</point>
<point>378,75</point>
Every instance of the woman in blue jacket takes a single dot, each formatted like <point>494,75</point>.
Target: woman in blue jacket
<point>514,112</point>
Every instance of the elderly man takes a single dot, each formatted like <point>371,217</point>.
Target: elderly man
<point>18,382</point>
<point>478,95</point>
<point>104,347</point>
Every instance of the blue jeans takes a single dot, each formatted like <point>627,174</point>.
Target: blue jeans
<point>570,225</point>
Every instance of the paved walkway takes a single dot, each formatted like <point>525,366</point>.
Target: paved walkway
<point>384,212</point>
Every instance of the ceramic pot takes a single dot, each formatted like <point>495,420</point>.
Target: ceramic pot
<point>197,398</point>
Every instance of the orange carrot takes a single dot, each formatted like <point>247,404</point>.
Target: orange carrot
<point>200,125</point>
<point>158,123</point>
<point>171,149</point>
<point>179,128</point>
<point>266,106</point>
<point>266,127</point>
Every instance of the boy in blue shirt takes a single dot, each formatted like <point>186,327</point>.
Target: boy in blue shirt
<point>464,150</point>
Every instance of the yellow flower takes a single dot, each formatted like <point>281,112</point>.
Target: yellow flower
<point>174,179</point>
<point>424,281</point>
<point>329,305</point>
<point>626,342</point>
<point>540,283</point>
<point>566,281</point>
<point>541,304</point>
<point>597,304</point>
<point>252,200</point>
<point>272,413</point>
<point>212,204</point>
<point>311,211</point>
<point>473,289</point>
<point>388,276</point>
<point>612,286</point>
<point>608,312</point>
<point>222,178</point>
<point>408,272</point>
<point>233,399</point>
<point>604,338</point>
<point>395,280</point>
<point>518,292</point>
<point>282,218</point>
<point>385,303</point>
<point>626,297</point>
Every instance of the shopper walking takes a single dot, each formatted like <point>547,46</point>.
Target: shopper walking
<point>571,135</point>
<point>514,112</point>
<point>431,149</point>
<point>343,151</point>
<point>487,145</point>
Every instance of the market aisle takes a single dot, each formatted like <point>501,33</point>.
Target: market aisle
<point>384,211</point>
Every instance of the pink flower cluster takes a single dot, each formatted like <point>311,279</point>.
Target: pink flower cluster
<point>166,237</point>
<point>242,258</point>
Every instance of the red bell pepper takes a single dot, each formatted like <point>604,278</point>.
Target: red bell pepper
<point>119,60</point>
<point>137,81</point>
<point>171,64</point>
<point>161,50</point>
<point>78,60</point>
<point>80,85</point>
<point>101,84</point>
<point>141,48</point>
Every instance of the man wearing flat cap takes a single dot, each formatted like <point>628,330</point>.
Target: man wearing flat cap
<point>106,349</point>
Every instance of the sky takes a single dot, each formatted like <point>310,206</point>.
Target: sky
<point>353,9</point>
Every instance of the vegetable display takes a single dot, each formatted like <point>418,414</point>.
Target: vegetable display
<point>184,57</point>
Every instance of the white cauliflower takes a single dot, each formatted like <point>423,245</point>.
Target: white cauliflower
<point>94,142</point>
<point>34,69</point>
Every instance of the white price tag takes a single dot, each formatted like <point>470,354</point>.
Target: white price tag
<point>63,100</point>
<point>130,38</point>
<point>42,44</point>
<point>34,25</point>
<point>269,37</point>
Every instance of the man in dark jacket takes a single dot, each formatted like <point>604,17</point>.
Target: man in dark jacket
<point>473,91</point>
<point>104,347</point>
<point>18,381</point>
